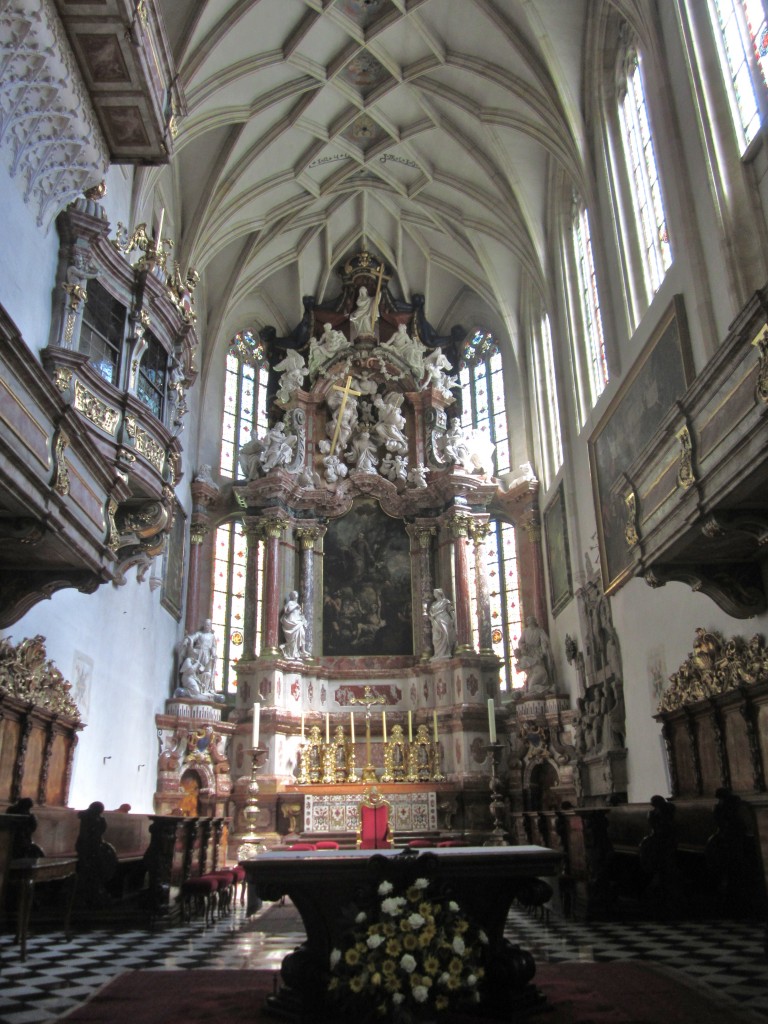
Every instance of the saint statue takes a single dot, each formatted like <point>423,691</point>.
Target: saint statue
<point>443,620</point>
<point>294,627</point>
<point>534,657</point>
<point>361,318</point>
<point>293,373</point>
<point>198,663</point>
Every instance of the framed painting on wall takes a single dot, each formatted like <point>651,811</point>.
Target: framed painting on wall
<point>558,553</point>
<point>172,593</point>
<point>658,379</point>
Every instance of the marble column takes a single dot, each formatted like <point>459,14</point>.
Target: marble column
<point>459,527</point>
<point>200,541</point>
<point>478,531</point>
<point>273,531</point>
<point>253,529</point>
<point>421,546</point>
<point>307,536</point>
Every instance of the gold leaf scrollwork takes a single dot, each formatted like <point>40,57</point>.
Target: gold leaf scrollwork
<point>715,666</point>
<point>26,673</point>
<point>760,342</point>
<point>95,410</point>
<point>60,467</point>
<point>113,531</point>
<point>62,378</point>
<point>685,475</point>
<point>145,444</point>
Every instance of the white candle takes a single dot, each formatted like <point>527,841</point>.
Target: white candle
<point>434,726</point>
<point>352,725</point>
<point>327,727</point>
<point>384,724</point>
<point>302,726</point>
<point>160,229</point>
<point>256,716</point>
<point>410,727</point>
<point>492,719</point>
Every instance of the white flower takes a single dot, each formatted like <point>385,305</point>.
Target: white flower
<point>482,937</point>
<point>458,945</point>
<point>360,917</point>
<point>385,888</point>
<point>335,957</point>
<point>397,998</point>
<point>415,921</point>
<point>444,978</point>
<point>420,993</point>
<point>392,904</point>
<point>421,883</point>
<point>471,980</point>
<point>408,963</point>
<point>453,906</point>
<point>374,941</point>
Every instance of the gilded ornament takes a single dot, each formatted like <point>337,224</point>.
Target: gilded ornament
<point>60,467</point>
<point>685,475</point>
<point>113,533</point>
<point>631,535</point>
<point>26,673</point>
<point>716,666</point>
<point>145,444</point>
<point>95,410</point>
<point>760,342</point>
<point>62,378</point>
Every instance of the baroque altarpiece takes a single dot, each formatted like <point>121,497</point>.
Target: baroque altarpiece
<point>365,506</point>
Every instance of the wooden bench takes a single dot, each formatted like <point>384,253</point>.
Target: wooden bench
<point>666,859</point>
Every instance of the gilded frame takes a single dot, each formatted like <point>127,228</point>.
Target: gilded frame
<point>172,589</point>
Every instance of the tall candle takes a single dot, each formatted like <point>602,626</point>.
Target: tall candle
<point>256,717</point>
<point>327,727</point>
<point>160,229</point>
<point>302,726</point>
<point>352,725</point>
<point>492,719</point>
<point>384,724</point>
<point>410,727</point>
<point>434,726</point>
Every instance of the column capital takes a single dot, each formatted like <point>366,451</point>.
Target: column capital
<point>309,534</point>
<point>458,523</point>
<point>422,534</point>
<point>532,526</point>
<point>198,531</point>
<point>479,530</point>
<point>274,527</point>
<point>253,528</point>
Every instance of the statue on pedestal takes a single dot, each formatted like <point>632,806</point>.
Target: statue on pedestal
<point>197,669</point>
<point>534,657</point>
<point>443,619</point>
<point>293,372</point>
<point>294,627</point>
<point>361,317</point>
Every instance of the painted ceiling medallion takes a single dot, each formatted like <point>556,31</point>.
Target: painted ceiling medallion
<point>364,71</point>
<point>364,132</point>
<point>362,12</point>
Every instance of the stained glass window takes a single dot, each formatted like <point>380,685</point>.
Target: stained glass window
<point>647,200</point>
<point>245,411</point>
<point>546,401</point>
<point>741,34</point>
<point>484,408</point>
<point>589,301</point>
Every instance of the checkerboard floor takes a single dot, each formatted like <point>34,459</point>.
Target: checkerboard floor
<point>58,975</point>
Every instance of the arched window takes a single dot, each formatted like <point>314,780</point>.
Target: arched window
<point>644,184</point>
<point>741,36</point>
<point>548,411</point>
<point>591,321</point>
<point>484,408</point>
<point>245,411</point>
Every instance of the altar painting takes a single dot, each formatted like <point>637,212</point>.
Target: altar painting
<point>367,584</point>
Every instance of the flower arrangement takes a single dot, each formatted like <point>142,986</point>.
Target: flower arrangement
<point>412,954</point>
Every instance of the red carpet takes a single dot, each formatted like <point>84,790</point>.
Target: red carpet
<point>626,992</point>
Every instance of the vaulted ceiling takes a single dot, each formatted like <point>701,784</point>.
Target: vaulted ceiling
<point>425,130</point>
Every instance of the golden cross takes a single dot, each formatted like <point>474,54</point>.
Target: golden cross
<point>368,699</point>
<point>346,391</point>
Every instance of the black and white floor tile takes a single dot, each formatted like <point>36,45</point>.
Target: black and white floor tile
<point>58,975</point>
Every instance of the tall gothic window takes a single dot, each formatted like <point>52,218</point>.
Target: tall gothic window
<point>741,35</point>
<point>245,410</point>
<point>645,187</point>
<point>589,304</point>
<point>546,401</point>
<point>484,409</point>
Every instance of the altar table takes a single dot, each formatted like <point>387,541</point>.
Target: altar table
<point>322,885</point>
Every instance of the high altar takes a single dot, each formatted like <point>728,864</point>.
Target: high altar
<point>365,507</point>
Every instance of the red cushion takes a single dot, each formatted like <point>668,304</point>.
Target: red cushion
<point>303,846</point>
<point>326,844</point>
<point>203,886</point>
<point>453,842</point>
<point>420,844</point>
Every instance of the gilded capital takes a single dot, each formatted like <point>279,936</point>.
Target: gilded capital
<point>274,528</point>
<point>308,535</point>
<point>479,531</point>
<point>198,532</point>
<point>459,524</point>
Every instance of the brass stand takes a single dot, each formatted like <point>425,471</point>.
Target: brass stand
<point>252,844</point>
<point>496,837</point>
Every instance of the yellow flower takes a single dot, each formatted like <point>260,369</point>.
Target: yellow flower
<point>405,925</point>
<point>394,948</point>
<point>431,964</point>
<point>388,929</point>
<point>410,942</point>
<point>461,926</point>
<point>388,967</point>
<point>392,984</point>
<point>425,909</point>
<point>454,967</point>
<point>375,979</point>
<point>453,983</point>
<point>441,1003</point>
<point>352,956</point>
<point>413,894</point>
<point>357,983</point>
